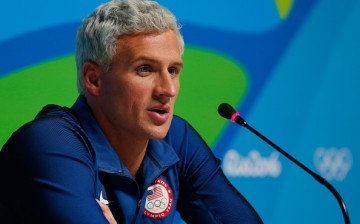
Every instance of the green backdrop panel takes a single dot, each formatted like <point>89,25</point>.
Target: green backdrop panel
<point>54,82</point>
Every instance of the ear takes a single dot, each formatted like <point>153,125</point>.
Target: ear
<point>92,77</point>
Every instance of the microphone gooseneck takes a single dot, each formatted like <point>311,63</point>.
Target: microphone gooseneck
<point>228,112</point>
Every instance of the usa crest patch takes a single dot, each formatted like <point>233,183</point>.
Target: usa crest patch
<point>159,200</point>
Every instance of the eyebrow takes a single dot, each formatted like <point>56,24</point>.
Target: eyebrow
<point>145,58</point>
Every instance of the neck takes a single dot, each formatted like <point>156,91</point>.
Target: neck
<point>131,153</point>
<point>129,148</point>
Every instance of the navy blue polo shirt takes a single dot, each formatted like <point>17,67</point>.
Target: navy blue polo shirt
<point>53,168</point>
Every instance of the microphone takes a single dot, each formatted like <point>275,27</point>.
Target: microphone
<point>228,112</point>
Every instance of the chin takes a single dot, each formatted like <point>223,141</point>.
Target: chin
<point>159,132</point>
<point>159,135</point>
<point>155,138</point>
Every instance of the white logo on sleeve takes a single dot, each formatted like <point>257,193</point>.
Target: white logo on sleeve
<point>106,202</point>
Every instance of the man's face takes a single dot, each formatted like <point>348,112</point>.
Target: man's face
<point>138,93</point>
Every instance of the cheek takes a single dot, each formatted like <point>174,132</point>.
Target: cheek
<point>134,94</point>
<point>116,86</point>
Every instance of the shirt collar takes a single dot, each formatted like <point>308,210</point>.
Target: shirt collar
<point>106,157</point>
<point>161,153</point>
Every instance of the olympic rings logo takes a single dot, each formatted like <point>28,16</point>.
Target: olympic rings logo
<point>333,163</point>
<point>157,204</point>
<point>159,200</point>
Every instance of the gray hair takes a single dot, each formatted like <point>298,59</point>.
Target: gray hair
<point>96,38</point>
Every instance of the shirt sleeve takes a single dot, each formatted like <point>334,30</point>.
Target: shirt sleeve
<point>48,175</point>
<point>206,196</point>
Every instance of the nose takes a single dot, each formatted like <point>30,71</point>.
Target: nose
<point>167,86</point>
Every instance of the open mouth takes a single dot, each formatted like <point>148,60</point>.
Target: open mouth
<point>159,111</point>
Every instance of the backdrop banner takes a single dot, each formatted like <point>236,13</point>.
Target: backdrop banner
<point>289,67</point>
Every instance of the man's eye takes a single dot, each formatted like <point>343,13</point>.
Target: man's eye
<point>173,71</point>
<point>144,69</point>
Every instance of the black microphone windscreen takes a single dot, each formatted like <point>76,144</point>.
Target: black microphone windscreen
<point>226,110</point>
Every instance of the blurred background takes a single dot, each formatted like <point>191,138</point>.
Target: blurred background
<point>290,67</point>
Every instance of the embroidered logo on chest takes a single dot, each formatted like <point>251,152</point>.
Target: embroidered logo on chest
<point>159,200</point>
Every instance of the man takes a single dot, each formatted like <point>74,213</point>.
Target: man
<point>118,154</point>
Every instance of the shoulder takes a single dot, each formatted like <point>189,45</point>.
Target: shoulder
<point>178,131</point>
<point>54,129</point>
<point>180,128</point>
<point>183,137</point>
<point>178,124</point>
